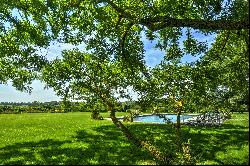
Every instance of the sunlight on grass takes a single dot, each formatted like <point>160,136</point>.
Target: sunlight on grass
<point>73,138</point>
<point>233,155</point>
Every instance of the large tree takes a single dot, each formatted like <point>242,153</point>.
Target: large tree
<point>110,29</point>
<point>225,72</point>
<point>171,84</point>
<point>88,78</point>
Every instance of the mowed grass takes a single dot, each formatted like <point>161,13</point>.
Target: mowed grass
<point>73,138</point>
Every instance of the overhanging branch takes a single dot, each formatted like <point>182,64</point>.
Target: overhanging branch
<point>225,42</point>
<point>123,38</point>
<point>160,22</point>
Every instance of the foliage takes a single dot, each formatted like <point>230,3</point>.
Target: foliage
<point>29,109</point>
<point>86,77</point>
<point>219,80</point>
<point>132,114</point>
<point>96,115</point>
<point>21,107</point>
<point>223,82</point>
<point>185,158</point>
<point>109,29</point>
<point>156,110</point>
<point>112,32</point>
<point>34,103</point>
<point>127,118</point>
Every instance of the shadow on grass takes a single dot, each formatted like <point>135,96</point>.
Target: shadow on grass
<point>107,145</point>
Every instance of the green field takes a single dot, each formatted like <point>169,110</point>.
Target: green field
<point>73,138</point>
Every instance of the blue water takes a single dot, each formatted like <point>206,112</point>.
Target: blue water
<point>156,118</point>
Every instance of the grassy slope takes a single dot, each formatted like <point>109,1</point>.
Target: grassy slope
<point>73,138</point>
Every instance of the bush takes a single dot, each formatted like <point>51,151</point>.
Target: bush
<point>96,115</point>
<point>226,113</point>
<point>127,118</point>
<point>156,110</point>
<point>185,156</point>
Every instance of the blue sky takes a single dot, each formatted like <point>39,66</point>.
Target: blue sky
<point>152,58</point>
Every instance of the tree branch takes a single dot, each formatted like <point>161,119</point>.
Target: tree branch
<point>225,42</point>
<point>161,22</point>
<point>123,38</point>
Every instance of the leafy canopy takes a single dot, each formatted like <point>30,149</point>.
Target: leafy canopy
<point>83,76</point>
<point>109,28</point>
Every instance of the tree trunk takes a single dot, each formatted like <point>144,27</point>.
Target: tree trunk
<point>139,143</point>
<point>178,129</point>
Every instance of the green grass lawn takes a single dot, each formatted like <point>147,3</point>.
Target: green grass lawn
<point>73,138</point>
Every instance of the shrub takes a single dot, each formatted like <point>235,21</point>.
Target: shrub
<point>226,113</point>
<point>127,118</point>
<point>96,115</point>
<point>132,113</point>
<point>184,157</point>
<point>156,110</point>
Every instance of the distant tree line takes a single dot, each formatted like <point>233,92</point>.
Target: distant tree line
<point>127,106</point>
<point>34,103</point>
<point>59,107</point>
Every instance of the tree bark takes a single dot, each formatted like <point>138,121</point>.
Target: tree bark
<point>139,143</point>
<point>155,23</point>
<point>154,152</point>
<point>178,129</point>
